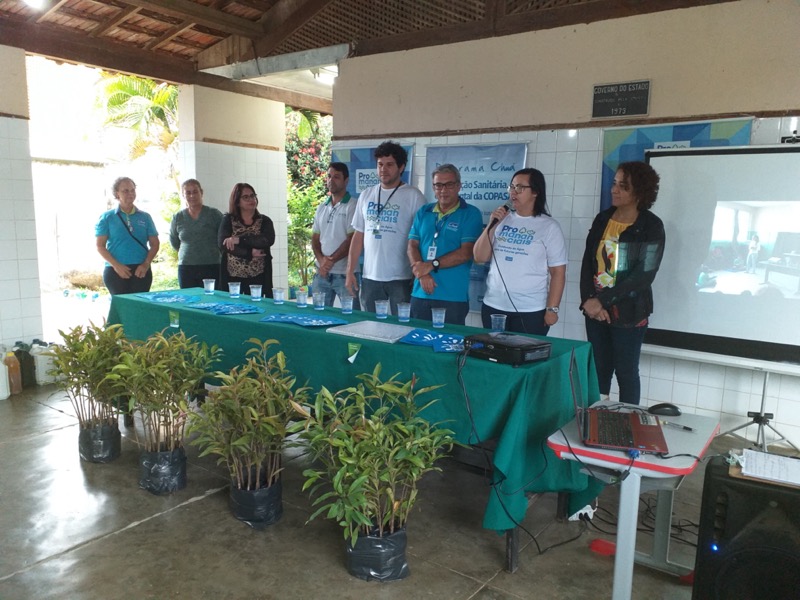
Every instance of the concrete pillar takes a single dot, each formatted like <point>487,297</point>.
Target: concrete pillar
<point>20,296</point>
<point>227,138</point>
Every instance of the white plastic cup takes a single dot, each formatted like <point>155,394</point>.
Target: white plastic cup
<point>278,295</point>
<point>437,316</point>
<point>498,323</point>
<point>255,293</point>
<point>381,309</point>
<point>302,298</point>
<point>347,305</point>
<point>208,285</point>
<point>403,312</point>
<point>234,287</point>
<point>319,300</point>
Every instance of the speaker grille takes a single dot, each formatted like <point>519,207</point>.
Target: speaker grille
<point>749,539</point>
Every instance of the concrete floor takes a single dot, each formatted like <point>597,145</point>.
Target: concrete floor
<point>78,530</point>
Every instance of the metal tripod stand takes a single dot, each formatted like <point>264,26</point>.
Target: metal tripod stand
<point>761,419</point>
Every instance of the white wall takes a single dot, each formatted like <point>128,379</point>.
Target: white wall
<point>570,161</point>
<point>209,114</point>
<point>226,139</point>
<point>20,302</point>
<point>219,167</point>
<point>726,59</point>
<point>736,57</point>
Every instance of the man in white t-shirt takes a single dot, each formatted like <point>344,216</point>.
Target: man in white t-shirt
<point>382,221</point>
<point>331,234</point>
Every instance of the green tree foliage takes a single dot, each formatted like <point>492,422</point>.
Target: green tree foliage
<point>308,138</point>
<point>148,107</point>
<point>307,121</point>
<point>302,203</point>
<point>307,156</point>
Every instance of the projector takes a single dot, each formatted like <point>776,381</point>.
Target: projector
<point>507,348</point>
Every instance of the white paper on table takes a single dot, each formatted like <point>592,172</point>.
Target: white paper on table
<point>772,467</point>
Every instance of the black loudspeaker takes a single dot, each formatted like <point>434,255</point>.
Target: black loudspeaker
<point>749,539</point>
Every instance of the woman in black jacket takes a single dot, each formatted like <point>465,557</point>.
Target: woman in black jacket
<point>245,237</point>
<point>623,252</point>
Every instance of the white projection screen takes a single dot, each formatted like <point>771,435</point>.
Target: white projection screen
<point>719,290</point>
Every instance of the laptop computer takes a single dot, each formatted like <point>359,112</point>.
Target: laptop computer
<point>614,430</point>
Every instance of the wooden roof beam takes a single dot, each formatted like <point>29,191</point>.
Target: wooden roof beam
<point>283,19</point>
<point>104,28</point>
<point>104,54</point>
<point>202,15</point>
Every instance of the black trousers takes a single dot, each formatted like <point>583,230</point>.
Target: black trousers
<point>118,285</point>
<point>191,276</point>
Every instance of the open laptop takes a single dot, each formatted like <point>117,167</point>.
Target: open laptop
<point>614,430</point>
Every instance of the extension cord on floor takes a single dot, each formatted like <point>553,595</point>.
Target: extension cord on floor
<point>587,512</point>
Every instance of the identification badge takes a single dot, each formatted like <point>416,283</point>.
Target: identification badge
<point>377,229</point>
<point>431,252</point>
<point>377,234</point>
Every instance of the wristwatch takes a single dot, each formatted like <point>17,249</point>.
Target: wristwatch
<point>552,309</point>
<point>435,263</point>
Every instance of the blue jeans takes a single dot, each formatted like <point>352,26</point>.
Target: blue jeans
<point>617,350</point>
<point>395,291</point>
<point>521,322</point>
<point>333,285</point>
<point>456,313</point>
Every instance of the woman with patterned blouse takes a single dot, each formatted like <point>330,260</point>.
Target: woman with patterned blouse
<point>245,237</point>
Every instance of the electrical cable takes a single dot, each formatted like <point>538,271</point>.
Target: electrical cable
<point>497,485</point>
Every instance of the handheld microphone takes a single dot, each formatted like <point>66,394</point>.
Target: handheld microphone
<point>495,221</point>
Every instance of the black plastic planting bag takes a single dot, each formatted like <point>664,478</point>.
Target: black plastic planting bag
<point>162,472</point>
<point>378,558</point>
<point>100,444</point>
<point>258,508</point>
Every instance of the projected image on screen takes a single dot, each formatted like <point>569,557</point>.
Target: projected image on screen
<point>729,282</point>
<point>754,250</point>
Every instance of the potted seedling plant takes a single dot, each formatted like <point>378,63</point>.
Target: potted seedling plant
<point>81,364</point>
<point>371,447</point>
<point>244,423</point>
<point>160,374</point>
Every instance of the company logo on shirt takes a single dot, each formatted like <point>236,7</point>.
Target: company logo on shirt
<point>521,236</point>
<point>389,213</point>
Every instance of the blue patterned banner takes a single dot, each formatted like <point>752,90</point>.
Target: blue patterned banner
<point>629,143</point>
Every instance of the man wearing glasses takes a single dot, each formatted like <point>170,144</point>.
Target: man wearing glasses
<point>331,234</point>
<point>381,222</point>
<point>440,249</point>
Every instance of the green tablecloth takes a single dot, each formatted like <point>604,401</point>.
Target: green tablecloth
<point>519,406</point>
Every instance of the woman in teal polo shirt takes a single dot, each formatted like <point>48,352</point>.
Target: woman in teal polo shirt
<point>128,241</point>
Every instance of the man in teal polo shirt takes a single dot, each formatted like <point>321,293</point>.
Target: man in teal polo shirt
<point>440,249</point>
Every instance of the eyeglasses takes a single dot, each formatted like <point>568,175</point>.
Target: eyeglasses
<point>450,185</point>
<point>518,187</point>
<point>248,197</point>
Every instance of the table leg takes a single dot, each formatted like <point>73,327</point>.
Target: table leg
<point>659,557</point>
<point>512,550</point>
<point>626,536</point>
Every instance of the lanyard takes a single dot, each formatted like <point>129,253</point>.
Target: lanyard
<point>380,206</point>
<point>438,226</point>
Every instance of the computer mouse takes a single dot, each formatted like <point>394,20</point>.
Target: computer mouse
<point>665,409</point>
